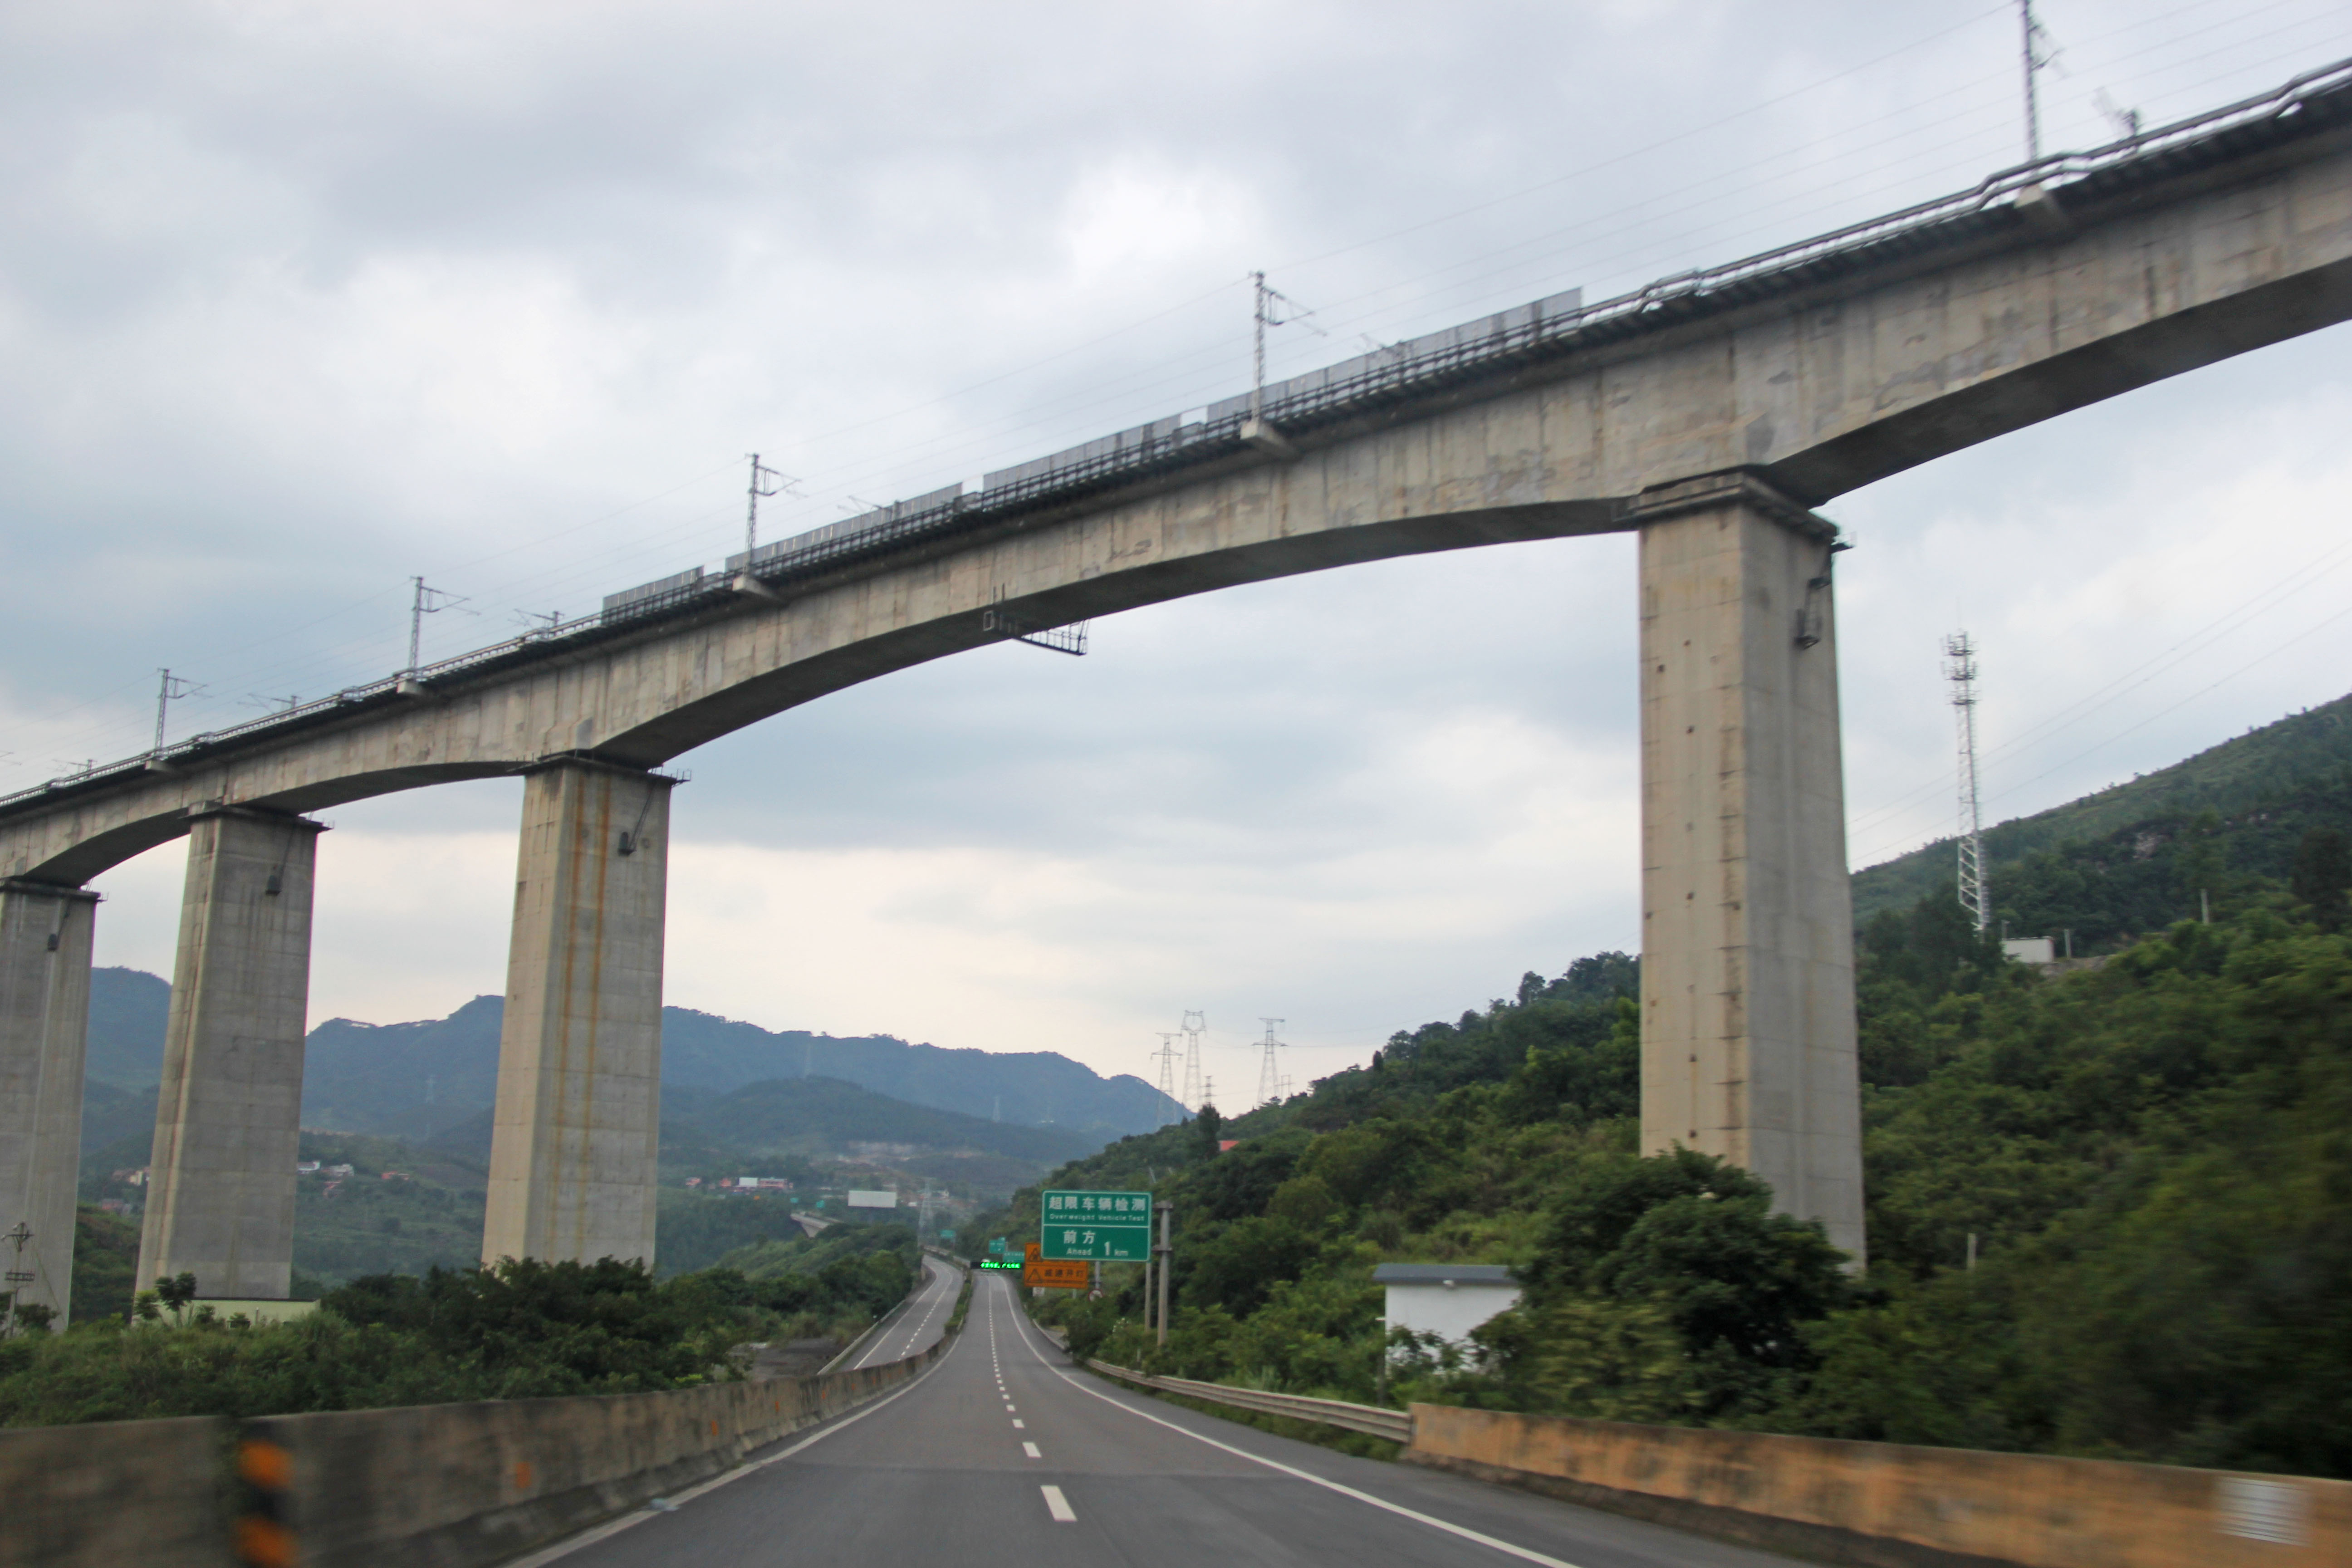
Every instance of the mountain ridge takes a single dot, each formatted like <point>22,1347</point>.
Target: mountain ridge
<point>418,1079</point>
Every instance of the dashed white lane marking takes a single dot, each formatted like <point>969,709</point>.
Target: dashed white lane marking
<point>590,1537</point>
<point>1019,1425</point>
<point>1030,1450</point>
<point>934,1283</point>
<point>1506,1548</point>
<point>1059,1506</point>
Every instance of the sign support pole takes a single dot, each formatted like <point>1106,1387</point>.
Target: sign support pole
<point>1167,1210</point>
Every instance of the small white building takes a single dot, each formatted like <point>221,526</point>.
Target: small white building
<point>1448,1299</point>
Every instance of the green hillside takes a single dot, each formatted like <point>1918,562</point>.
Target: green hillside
<point>2144,1154</point>
<point>2125,860</point>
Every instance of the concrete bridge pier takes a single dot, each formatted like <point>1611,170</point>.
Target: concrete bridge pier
<point>579,1104</point>
<point>45,945</point>
<point>1747,1021</point>
<point>220,1188</point>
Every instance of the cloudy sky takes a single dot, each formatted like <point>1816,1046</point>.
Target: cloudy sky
<point>300,300</point>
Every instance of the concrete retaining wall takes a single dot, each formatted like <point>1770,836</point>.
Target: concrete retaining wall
<point>451,1486</point>
<point>143,1492</point>
<point>1883,1505</point>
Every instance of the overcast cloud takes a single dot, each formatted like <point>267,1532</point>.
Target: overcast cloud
<point>299,300</point>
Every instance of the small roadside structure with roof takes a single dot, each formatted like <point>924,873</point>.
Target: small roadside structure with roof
<point>1447,1300</point>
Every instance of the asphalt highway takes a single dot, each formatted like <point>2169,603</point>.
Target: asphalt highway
<point>916,1323</point>
<point>1005,1453</point>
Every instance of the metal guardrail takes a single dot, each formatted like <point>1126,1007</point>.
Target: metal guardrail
<point>1396,1426</point>
<point>1530,336</point>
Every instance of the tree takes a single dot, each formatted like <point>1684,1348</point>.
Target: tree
<point>1208,1130</point>
<point>2323,871</point>
<point>2202,857</point>
<point>176,1292</point>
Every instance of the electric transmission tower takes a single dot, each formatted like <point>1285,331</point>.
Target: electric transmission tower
<point>1269,1074</point>
<point>1196,1089</point>
<point>1960,669</point>
<point>1166,1056</point>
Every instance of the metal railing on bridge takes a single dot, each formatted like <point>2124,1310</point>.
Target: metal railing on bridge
<point>1423,367</point>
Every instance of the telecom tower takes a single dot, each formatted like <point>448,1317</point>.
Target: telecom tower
<point>1269,1075</point>
<point>1196,1089</point>
<point>1166,1057</point>
<point>1960,669</point>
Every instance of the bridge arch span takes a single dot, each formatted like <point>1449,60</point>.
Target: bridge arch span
<point>1708,413</point>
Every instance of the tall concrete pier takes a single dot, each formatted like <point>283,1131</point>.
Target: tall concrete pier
<point>45,944</point>
<point>1747,1023</point>
<point>220,1194</point>
<point>1782,379</point>
<point>579,1106</point>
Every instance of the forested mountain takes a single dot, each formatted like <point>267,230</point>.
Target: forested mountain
<point>418,1080</point>
<point>826,1117</point>
<point>2134,857</point>
<point>2148,1152</point>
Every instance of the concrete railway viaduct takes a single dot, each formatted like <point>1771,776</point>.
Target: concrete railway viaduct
<point>1710,413</point>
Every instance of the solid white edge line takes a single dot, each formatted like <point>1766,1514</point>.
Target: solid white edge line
<point>1466,1533</point>
<point>639,1514</point>
<point>930,1281</point>
<point>1059,1506</point>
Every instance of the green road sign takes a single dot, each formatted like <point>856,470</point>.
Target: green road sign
<point>996,1244</point>
<point>1111,1227</point>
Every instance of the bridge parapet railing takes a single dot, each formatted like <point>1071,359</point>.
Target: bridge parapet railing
<point>1396,1426</point>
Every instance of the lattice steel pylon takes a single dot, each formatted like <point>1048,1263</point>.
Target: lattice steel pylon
<point>1960,669</point>
<point>1269,1074</point>
<point>1196,1089</point>
<point>1166,1056</point>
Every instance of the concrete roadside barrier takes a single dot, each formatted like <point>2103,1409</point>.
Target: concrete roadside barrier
<point>143,1492</point>
<point>1885,1505</point>
<point>448,1486</point>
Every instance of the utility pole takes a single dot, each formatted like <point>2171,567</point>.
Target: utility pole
<point>1257,358</point>
<point>1255,430</point>
<point>1196,1092</point>
<point>1960,669</point>
<point>1269,1075</point>
<point>425,601</point>
<point>1167,1214</point>
<point>765,481</point>
<point>169,691</point>
<point>2033,35</point>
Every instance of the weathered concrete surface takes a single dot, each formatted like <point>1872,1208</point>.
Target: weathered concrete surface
<point>579,1105</point>
<point>1818,392</point>
<point>45,944</point>
<point>220,1197</point>
<point>433,1486</point>
<point>114,1493</point>
<point>1747,1020</point>
<point>1883,1505</point>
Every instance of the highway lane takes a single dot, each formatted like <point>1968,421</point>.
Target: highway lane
<point>920,1319</point>
<point>1004,1453</point>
